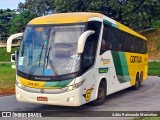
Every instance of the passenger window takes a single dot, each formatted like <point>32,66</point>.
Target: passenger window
<point>117,40</point>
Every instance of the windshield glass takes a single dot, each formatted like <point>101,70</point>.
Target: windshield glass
<point>50,51</point>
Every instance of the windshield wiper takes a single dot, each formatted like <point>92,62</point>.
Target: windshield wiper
<point>51,62</point>
<point>34,66</point>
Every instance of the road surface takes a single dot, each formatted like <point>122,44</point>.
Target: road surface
<point>147,98</point>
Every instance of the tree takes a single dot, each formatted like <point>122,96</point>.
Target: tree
<point>5,22</point>
<point>138,14</point>
<point>111,8</point>
<point>38,7</point>
<point>19,21</point>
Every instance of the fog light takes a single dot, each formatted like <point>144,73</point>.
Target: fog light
<point>70,99</point>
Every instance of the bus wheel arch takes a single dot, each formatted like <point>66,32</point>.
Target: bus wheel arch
<point>101,93</point>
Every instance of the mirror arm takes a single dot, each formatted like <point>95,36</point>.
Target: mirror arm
<point>82,40</point>
<point>10,39</point>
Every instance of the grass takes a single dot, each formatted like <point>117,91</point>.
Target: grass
<point>4,56</point>
<point>154,68</point>
<point>7,79</point>
<point>7,74</point>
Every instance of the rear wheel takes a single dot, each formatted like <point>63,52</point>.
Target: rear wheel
<point>101,95</point>
<point>141,78</point>
<point>137,83</point>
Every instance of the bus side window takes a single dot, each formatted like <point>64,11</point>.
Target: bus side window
<point>90,48</point>
<point>88,54</point>
<point>103,46</point>
<point>107,39</point>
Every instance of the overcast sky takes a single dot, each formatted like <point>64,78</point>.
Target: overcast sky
<point>11,4</point>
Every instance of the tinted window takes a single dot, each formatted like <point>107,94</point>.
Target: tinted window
<point>91,45</point>
<point>117,40</point>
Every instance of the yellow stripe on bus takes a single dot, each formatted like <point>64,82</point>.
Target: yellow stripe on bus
<point>126,29</point>
<point>35,84</point>
<point>30,83</point>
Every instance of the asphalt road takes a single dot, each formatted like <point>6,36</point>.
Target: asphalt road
<point>146,98</point>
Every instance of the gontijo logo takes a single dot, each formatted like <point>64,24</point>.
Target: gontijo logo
<point>135,59</point>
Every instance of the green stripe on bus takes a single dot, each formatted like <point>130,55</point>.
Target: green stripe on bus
<point>121,66</point>
<point>110,24</point>
<point>124,66</point>
<point>60,84</point>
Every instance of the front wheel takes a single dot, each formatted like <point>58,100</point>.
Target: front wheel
<point>101,95</point>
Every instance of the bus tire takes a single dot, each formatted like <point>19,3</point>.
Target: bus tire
<point>101,94</point>
<point>141,78</point>
<point>137,83</point>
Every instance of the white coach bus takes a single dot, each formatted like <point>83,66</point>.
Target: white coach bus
<point>71,59</point>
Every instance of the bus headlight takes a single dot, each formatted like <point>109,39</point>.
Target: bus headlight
<point>73,87</point>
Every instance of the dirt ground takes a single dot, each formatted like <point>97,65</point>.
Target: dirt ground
<point>6,92</point>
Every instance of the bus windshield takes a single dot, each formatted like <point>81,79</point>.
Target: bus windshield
<point>50,50</point>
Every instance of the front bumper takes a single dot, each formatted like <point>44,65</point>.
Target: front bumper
<point>71,98</point>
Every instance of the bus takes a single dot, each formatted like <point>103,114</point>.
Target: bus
<point>70,59</point>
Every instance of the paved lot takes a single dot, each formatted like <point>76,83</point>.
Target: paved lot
<point>147,98</point>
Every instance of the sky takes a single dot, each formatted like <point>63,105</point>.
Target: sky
<point>11,4</point>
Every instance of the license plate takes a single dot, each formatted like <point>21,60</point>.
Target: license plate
<point>42,99</point>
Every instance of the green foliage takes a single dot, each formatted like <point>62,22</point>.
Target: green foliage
<point>8,77</point>
<point>154,68</point>
<point>5,22</point>
<point>138,14</point>
<point>20,21</point>
<point>111,8</point>
<point>38,7</point>
<point>4,56</point>
<point>155,23</point>
<point>6,68</point>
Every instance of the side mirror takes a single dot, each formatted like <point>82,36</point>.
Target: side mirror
<point>82,40</point>
<point>13,58</point>
<point>10,39</point>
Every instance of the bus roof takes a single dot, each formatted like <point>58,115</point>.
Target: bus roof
<point>62,18</point>
<point>77,17</point>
